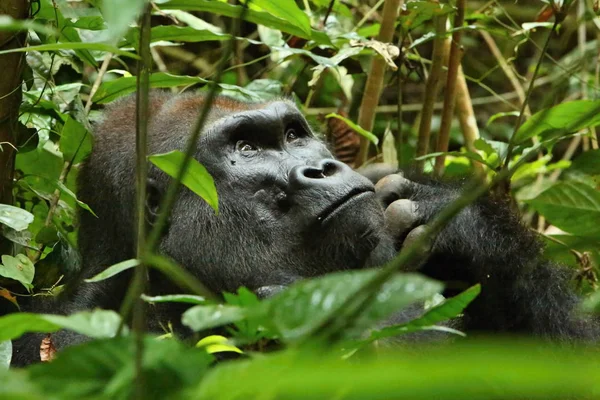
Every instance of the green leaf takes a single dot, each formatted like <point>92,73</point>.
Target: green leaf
<point>109,91</point>
<point>196,178</point>
<point>472,370</point>
<point>449,308</point>
<point>9,24</point>
<point>47,235</point>
<point>114,270</point>
<point>175,33</point>
<point>501,115</point>
<point>175,298</point>
<point>15,217</point>
<point>75,141</point>
<point>204,317</point>
<point>368,135</point>
<point>286,10</point>
<point>466,154</point>
<point>73,46</point>
<point>571,206</point>
<point>65,190</point>
<point>591,303</point>
<point>119,15</point>
<point>5,354</point>
<point>588,162</point>
<point>96,324</point>
<point>105,369</point>
<point>19,268</point>
<point>560,120</point>
<point>15,385</point>
<point>250,15</point>
<point>297,310</point>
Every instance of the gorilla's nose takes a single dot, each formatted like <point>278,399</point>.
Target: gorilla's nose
<point>323,174</point>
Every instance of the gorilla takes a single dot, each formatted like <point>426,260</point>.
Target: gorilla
<point>288,210</point>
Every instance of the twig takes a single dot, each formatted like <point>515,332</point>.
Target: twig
<point>511,143</point>
<point>450,93</point>
<point>372,92</point>
<point>98,81</point>
<point>431,90</point>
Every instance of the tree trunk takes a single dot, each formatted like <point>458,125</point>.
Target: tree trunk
<point>11,66</point>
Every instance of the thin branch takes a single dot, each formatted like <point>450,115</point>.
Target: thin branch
<point>511,143</point>
<point>98,81</point>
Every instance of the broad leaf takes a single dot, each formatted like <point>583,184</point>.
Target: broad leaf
<point>196,178</point>
<point>449,308</point>
<point>560,120</point>
<point>200,318</point>
<point>15,217</point>
<point>96,324</point>
<point>104,369</point>
<point>119,15</point>
<point>571,206</point>
<point>75,141</point>
<point>473,371</point>
<point>19,268</point>
<point>302,307</point>
<point>588,162</point>
<point>295,27</point>
<point>5,354</point>
<point>73,46</point>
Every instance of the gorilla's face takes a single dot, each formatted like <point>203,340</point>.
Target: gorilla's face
<point>287,208</point>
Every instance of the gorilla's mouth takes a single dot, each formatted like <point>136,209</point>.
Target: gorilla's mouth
<point>353,196</point>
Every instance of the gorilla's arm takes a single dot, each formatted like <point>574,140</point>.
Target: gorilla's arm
<point>486,243</point>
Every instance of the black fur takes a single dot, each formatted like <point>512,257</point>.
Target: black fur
<point>274,224</point>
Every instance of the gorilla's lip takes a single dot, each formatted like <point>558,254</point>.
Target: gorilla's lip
<point>354,195</point>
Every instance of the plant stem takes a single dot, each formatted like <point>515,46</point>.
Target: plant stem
<point>450,93</point>
<point>521,116</point>
<point>140,278</point>
<point>431,90</point>
<point>373,87</point>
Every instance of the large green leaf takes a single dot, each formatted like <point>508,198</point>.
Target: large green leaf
<point>286,10</point>
<point>196,178</point>
<point>119,15</point>
<point>109,91</point>
<point>588,162</point>
<point>175,33</point>
<point>473,371</point>
<point>204,317</point>
<point>15,217</point>
<point>449,308</point>
<point>104,369</point>
<point>75,141</point>
<point>5,354</point>
<point>19,268</point>
<point>15,385</point>
<point>571,206</point>
<point>304,306</point>
<point>560,120</point>
<point>96,324</point>
<point>72,46</point>
<point>295,27</point>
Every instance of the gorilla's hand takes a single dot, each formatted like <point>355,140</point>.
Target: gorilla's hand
<point>403,221</point>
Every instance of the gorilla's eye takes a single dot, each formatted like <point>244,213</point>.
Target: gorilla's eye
<point>291,135</point>
<point>243,146</point>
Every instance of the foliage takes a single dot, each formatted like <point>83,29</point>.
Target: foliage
<point>82,55</point>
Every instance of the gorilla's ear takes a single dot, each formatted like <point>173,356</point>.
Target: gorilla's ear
<point>154,194</point>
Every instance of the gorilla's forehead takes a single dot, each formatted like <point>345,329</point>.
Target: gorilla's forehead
<point>262,119</point>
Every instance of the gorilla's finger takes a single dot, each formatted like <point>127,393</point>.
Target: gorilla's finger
<point>400,217</point>
<point>374,172</point>
<point>423,251</point>
<point>264,292</point>
<point>391,188</point>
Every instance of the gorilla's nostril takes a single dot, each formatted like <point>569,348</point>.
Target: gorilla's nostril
<point>314,173</point>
